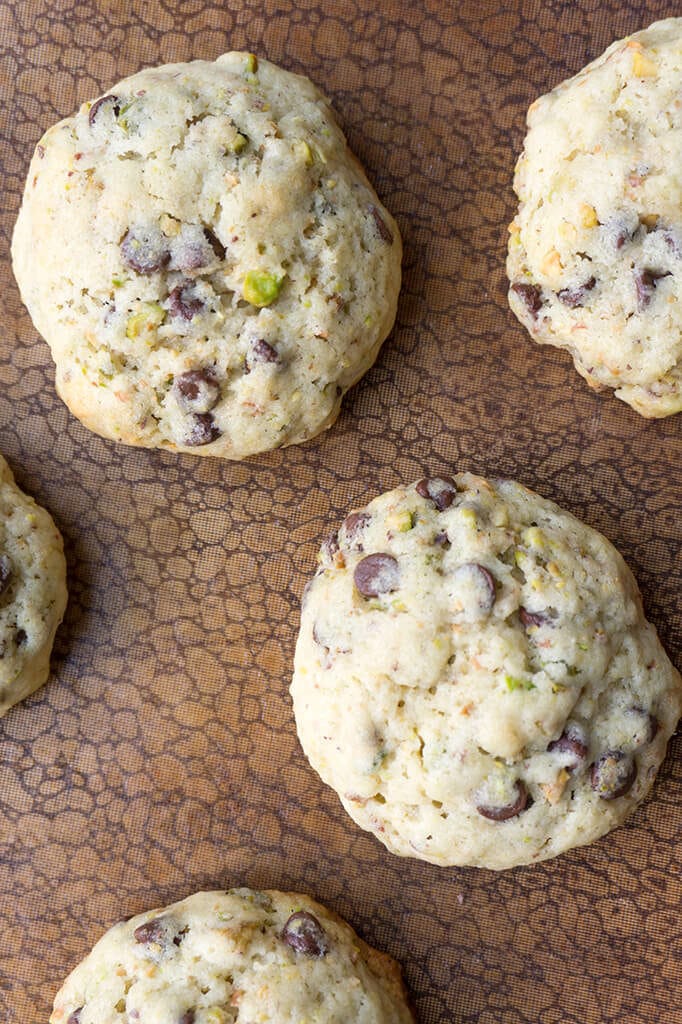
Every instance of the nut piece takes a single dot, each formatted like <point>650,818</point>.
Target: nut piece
<point>261,288</point>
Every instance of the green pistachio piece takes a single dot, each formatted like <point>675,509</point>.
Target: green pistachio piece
<point>261,288</point>
<point>251,63</point>
<point>149,316</point>
<point>514,683</point>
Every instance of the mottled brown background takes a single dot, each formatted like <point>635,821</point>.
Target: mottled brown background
<point>161,757</point>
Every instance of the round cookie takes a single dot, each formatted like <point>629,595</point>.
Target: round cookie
<point>475,677</point>
<point>595,253</point>
<point>206,259</point>
<point>32,591</point>
<point>229,957</point>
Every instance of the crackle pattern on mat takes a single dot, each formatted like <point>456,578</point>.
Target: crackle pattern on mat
<point>161,757</point>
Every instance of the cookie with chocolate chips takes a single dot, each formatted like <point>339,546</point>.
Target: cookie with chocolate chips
<point>32,591</point>
<point>595,250</point>
<point>475,676</point>
<point>206,259</point>
<point>241,955</point>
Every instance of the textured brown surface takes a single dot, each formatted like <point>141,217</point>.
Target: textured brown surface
<point>161,757</point>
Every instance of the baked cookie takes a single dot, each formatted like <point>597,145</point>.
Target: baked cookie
<point>32,591</point>
<point>229,957</point>
<point>475,677</point>
<point>206,259</point>
<point>595,253</point>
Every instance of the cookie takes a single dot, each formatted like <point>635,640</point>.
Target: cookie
<point>229,957</point>
<point>32,591</point>
<point>595,251</point>
<point>475,677</point>
<point>206,259</point>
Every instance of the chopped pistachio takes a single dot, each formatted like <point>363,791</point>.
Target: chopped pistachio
<point>588,216</point>
<point>534,537</point>
<point>642,66</point>
<point>514,683</point>
<point>302,149</point>
<point>251,63</point>
<point>402,521</point>
<point>149,316</point>
<point>468,515</point>
<point>238,143</point>
<point>261,288</point>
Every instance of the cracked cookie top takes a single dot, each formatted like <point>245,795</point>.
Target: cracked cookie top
<point>206,259</point>
<point>475,677</point>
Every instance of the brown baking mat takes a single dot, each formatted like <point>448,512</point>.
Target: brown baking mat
<point>162,758</point>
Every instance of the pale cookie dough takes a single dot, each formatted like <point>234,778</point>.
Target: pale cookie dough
<point>236,957</point>
<point>206,259</point>
<point>32,591</point>
<point>595,253</point>
<point>475,677</point>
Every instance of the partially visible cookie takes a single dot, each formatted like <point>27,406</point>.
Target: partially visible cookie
<point>595,253</point>
<point>32,591</point>
<point>206,259</point>
<point>234,957</point>
<point>475,676</point>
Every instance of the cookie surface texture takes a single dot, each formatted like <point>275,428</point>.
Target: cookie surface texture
<point>32,591</point>
<point>475,677</point>
<point>595,252</point>
<point>227,957</point>
<point>206,259</point>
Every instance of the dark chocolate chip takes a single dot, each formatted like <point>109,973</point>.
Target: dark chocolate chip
<point>305,935</point>
<point>215,243</point>
<point>613,774</point>
<point>20,637</point>
<point>645,283</point>
<point>197,390</point>
<point>479,582</point>
<point>261,351</point>
<point>353,527</point>
<point>529,619</point>
<point>74,1018</point>
<point>531,294</point>
<point>155,931</point>
<point>572,744</point>
<point>145,250</point>
<point>103,101</point>
<point>192,256</point>
<point>645,725</point>
<point>382,227</point>
<point>441,490</point>
<point>203,430</point>
<point>5,573</point>
<point>574,297</point>
<point>182,303</point>
<point>188,1017</point>
<point>442,540</point>
<point>377,574</point>
<point>510,810</point>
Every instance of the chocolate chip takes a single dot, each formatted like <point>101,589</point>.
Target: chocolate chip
<point>215,243</point>
<point>531,294</point>
<point>188,1017</point>
<point>353,527</point>
<point>645,283</point>
<point>145,250</point>
<point>510,810</point>
<point>442,540</point>
<point>74,1018</point>
<point>532,618</point>
<point>330,546</point>
<point>197,390</point>
<point>157,931</point>
<point>261,351</point>
<point>573,297</point>
<point>103,101</point>
<point>203,430</point>
<point>5,573</point>
<point>20,637</point>
<point>572,745</point>
<point>182,303</point>
<point>613,774</point>
<point>305,934</point>
<point>382,227</point>
<point>644,725</point>
<point>441,490</point>
<point>478,584</point>
<point>377,574</point>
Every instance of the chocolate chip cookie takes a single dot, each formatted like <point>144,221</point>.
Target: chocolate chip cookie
<point>32,591</point>
<point>475,676</point>
<point>206,259</point>
<point>595,251</point>
<point>225,957</point>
